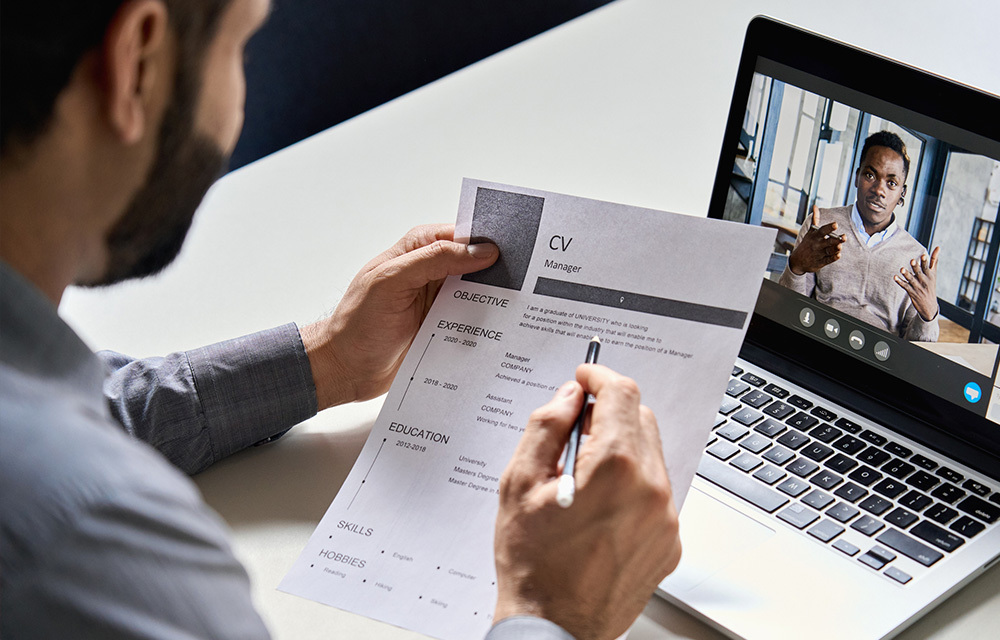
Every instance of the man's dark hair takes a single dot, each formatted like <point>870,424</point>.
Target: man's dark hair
<point>41,43</point>
<point>890,140</point>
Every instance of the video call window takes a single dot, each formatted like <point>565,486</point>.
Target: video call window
<point>798,150</point>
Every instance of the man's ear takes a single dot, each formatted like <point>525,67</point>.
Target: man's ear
<point>137,61</point>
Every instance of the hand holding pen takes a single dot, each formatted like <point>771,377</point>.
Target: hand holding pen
<point>589,568</point>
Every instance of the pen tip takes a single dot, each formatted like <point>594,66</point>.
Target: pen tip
<point>596,339</point>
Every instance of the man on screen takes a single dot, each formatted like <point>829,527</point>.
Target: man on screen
<point>872,268</point>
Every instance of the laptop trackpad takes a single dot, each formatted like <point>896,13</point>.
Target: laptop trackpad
<point>713,534</point>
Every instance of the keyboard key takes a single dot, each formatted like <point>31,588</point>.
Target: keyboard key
<point>776,391</point>
<point>850,445</point>
<point>930,532</point>
<point>877,557</point>
<point>976,488</point>
<point>747,416</point>
<point>755,443</point>
<point>915,500</point>
<point>794,487</point>
<point>980,508</point>
<point>756,399</point>
<point>723,450</point>
<point>924,462</point>
<point>719,421</point>
<point>732,432</point>
<point>967,526</point>
<point>874,438</point>
<point>823,414</point>
<point>922,480</point>
<point>889,488</point>
<point>800,402</point>
<point>899,541</point>
<point>802,467</point>
<point>770,428</point>
<point>816,451</point>
<point>746,462</point>
<point>736,387</point>
<point>898,469</point>
<point>848,426</point>
<point>826,530</point>
<point>876,505</point>
<point>865,475</point>
<point>756,381</point>
<point>817,499</point>
<point>851,492</point>
<point>728,406</point>
<point>779,410</point>
<point>897,449</point>
<point>842,512</point>
<point>798,516</point>
<point>995,498</point>
<point>794,439</point>
<point>802,421</point>
<point>841,463</point>
<point>736,371</point>
<point>948,493</point>
<point>740,485</point>
<point>826,479</point>
<point>899,576</point>
<point>825,433</point>
<point>769,474</point>
<point>901,517</point>
<point>867,525</point>
<point>950,475</point>
<point>846,547</point>
<point>873,456</point>
<point>778,455</point>
<point>941,513</point>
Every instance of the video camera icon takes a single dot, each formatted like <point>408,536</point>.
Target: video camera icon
<point>973,392</point>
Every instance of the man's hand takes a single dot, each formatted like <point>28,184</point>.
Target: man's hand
<point>921,284</point>
<point>817,249</point>
<point>355,353</point>
<point>592,567</point>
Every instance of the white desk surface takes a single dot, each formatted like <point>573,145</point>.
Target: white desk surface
<point>626,104</point>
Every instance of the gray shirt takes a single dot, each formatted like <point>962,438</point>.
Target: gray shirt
<point>100,535</point>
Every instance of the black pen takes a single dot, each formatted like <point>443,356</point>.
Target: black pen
<point>567,483</point>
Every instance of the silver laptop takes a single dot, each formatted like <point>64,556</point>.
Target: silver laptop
<point>852,479</point>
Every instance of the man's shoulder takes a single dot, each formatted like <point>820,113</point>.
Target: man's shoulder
<point>840,213</point>
<point>60,461</point>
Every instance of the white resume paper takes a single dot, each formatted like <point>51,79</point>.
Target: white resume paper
<point>409,538</point>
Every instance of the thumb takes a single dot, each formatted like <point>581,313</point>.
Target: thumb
<point>438,260</point>
<point>815,215</point>
<point>545,435</point>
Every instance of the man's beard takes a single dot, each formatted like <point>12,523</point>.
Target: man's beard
<point>150,233</point>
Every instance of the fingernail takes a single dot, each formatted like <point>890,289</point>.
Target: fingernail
<point>566,390</point>
<point>482,250</point>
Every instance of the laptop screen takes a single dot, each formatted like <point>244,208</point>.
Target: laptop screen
<point>884,192</point>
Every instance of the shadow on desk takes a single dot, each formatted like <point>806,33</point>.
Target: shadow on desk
<point>291,480</point>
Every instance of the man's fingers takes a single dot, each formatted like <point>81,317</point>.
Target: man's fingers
<point>436,261</point>
<point>815,221</point>
<point>537,455</point>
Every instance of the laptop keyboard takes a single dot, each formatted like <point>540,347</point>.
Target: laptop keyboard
<point>838,480</point>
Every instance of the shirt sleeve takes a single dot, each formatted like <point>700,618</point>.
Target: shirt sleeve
<point>197,407</point>
<point>527,628</point>
<point>805,283</point>
<point>916,328</point>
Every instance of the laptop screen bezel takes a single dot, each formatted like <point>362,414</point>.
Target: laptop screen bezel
<point>885,399</point>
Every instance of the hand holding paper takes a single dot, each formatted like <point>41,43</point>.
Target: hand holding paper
<point>355,352</point>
